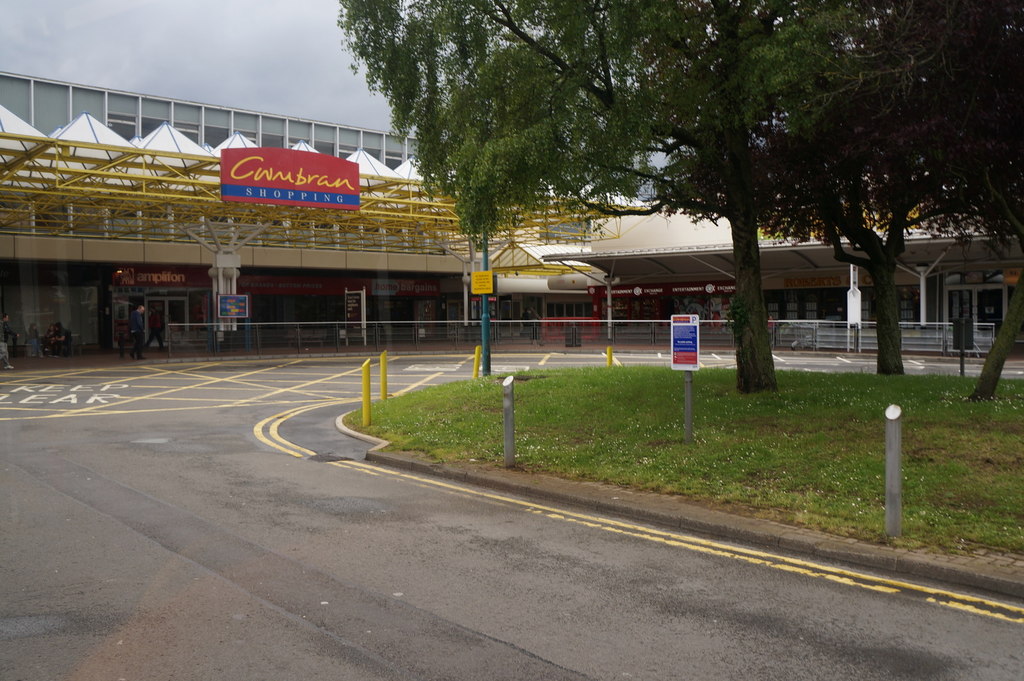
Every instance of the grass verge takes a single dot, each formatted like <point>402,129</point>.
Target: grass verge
<point>812,454</point>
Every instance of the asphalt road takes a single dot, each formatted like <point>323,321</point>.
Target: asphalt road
<point>175,522</point>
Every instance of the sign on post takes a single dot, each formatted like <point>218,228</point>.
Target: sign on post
<point>483,282</point>
<point>686,357</point>
<point>685,342</point>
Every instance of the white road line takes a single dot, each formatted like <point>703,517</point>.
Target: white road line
<point>431,368</point>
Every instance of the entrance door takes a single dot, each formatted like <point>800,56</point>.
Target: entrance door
<point>984,304</point>
<point>174,310</point>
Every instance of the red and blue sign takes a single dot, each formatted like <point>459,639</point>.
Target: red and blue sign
<point>685,342</point>
<point>231,306</point>
<point>288,177</point>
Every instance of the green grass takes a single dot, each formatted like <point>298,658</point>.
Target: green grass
<point>812,454</point>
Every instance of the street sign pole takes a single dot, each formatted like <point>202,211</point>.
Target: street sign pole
<point>686,358</point>
<point>485,314</point>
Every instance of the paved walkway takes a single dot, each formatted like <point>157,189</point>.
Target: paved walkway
<point>998,573</point>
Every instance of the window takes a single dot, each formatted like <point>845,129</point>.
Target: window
<point>323,138</point>
<point>348,141</point>
<point>272,132</point>
<point>393,151</point>
<point>15,93</point>
<point>186,120</point>
<point>299,131</point>
<point>51,106</point>
<point>373,144</point>
<point>216,126</point>
<point>154,112</point>
<point>88,100</point>
<point>123,115</point>
<point>568,309</point>
<point>245,123</point>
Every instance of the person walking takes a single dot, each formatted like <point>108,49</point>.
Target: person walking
<point>156,328</point>
<point>34,348</point>
<point>9,336</point>
<point>137,326</point>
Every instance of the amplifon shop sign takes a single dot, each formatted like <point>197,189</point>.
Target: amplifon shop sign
<point>288,177</point>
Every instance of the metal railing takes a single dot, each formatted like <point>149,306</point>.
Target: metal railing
<point>312,338</point>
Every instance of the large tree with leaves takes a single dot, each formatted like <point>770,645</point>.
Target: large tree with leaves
<point>982,146</point>
<point>918,127</point>
<point>515,100</point>
<point>859,162</point>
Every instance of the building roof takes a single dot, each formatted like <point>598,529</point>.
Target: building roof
<point>779,258</point>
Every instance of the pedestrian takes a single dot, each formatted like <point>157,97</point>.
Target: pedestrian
<point>34,348</point>
<point>137,325</point>
<point>9,336</point>
<point>156,328</point>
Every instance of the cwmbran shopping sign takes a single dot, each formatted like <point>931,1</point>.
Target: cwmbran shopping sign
<point>288,177</point>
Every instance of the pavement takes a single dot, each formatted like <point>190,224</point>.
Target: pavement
<point>990,571</point>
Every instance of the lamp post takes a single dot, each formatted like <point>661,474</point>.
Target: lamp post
<point>485,318</point>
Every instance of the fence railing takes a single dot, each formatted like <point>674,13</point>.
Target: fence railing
<point>310,338</point>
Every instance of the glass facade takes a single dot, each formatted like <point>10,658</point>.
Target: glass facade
<point>48,105</point>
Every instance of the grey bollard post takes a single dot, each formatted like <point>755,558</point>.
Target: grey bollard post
<point>893,471</point>
<point>509,407</point>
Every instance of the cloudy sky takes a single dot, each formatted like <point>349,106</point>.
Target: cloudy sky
<point>283,57</point>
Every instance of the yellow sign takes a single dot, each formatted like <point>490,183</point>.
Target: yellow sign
<point>483,282</point>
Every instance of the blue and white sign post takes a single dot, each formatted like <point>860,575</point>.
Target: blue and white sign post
<point>686,358</point>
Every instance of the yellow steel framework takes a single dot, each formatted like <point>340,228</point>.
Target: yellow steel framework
<point>64,188</point>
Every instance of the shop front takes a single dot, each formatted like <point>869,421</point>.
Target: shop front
<point>706,299</point>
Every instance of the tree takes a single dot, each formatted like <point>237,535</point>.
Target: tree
<point>855,165</point>
<point>984,145</point>
<point>957,62</point>
<point>515,100</point>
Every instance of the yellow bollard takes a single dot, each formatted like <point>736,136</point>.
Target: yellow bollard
<point>476,361</point>
<point>384,375</point>
<point>609,353</point>
<point>366,393</point>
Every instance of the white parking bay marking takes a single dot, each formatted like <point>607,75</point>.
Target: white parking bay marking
<point>431,368</point>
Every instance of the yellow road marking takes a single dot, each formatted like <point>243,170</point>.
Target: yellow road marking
<point>298,387</point>
<point>964,602</point>
<point>274,438</point>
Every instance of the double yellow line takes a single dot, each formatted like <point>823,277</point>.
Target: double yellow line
<point>958,601</point>
<point>268,430</point>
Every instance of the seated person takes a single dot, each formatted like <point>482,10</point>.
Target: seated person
<point>56,338</point>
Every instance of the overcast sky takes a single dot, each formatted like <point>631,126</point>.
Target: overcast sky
<point>273,56</point>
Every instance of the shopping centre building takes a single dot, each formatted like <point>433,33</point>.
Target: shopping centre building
<point>80,244</point>
<point>110,198</point>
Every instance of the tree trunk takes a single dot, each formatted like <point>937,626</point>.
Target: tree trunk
<point>755,367</point>
<point>887,306</point>
<point>985,388</point>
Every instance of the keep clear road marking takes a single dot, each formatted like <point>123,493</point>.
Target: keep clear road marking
<point>962,602</point>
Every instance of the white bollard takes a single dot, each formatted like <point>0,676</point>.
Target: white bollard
<point>893,471</point>
<point>510,427</point>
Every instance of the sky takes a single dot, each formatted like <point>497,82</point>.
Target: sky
<point>273,56</point>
